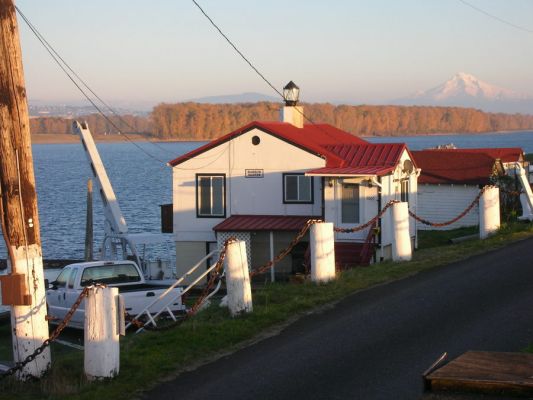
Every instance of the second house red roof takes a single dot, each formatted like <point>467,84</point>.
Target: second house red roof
<point>452,166</point>
<point>364,159</point>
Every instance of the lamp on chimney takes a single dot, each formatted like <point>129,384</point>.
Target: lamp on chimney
<point>291,94</point>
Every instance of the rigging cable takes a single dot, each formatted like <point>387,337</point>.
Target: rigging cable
<point>64,66</point>
<point>496,17</point>
<point>255,69</point>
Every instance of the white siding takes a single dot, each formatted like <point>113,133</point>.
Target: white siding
<point>440,203</point>
<point>244,196</point>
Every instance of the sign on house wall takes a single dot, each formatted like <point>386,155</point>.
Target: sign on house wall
<point>253,173</point>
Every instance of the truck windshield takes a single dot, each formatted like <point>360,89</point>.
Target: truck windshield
<point>110,274</point>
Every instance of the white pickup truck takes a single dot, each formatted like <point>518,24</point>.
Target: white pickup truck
<point>137,293</point>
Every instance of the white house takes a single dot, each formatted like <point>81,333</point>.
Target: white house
<point>452,178</point>
<point>263,181</point>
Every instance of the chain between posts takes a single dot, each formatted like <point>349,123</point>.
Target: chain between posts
<point>214,276</point>
<point>370,222</point>
<point>283,253</point>
<point>451,221</point>
<point>20,365</point>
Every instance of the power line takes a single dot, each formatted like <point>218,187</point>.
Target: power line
<point>66,68</point>
<point>496,17</point>
<point>254,68</point>
<point>236,49</point>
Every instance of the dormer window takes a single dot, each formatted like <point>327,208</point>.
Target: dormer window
<point>297,188</point>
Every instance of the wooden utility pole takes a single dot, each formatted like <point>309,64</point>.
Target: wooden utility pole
<point>89,256</point>
<point>20,219</point>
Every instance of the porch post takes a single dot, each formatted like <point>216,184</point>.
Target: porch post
<point>272,272</point>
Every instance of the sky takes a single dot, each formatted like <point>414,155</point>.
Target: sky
<point>349,51</point>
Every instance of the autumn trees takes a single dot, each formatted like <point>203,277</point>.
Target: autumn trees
<point>196,121</point>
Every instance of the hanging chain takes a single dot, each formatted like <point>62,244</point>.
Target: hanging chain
<point>283,253</point>
<point>21,364</point>
<point>369,223</point>
<point>451,221</point>
<point>215,275</point>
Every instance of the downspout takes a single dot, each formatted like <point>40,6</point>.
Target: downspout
<point>417,175</point>
<point>380,241</point>
<point>323,205</point>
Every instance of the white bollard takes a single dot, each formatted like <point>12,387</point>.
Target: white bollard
<point>101,347</point>
<point>401,241</point>
<point>238,279</point>
<point>322,242</point>
<point>489,212</point>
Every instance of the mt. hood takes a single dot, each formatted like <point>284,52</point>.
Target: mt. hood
<point>465,90</point>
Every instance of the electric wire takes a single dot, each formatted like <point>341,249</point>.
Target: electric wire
<point>64,66</point>
<point>496,17</point>
<point>256,69</point>
<point>236,49</point>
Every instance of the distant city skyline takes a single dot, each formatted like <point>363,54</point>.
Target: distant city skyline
<point>341,51</point>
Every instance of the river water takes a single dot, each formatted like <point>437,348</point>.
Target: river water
<point>142,182</point>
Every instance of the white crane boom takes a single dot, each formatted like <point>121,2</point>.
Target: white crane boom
<point>115,222</point>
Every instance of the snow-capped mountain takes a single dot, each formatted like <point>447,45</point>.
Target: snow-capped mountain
<point>465,90</point>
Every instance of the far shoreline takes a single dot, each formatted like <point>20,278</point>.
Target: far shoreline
<point>58,138</point>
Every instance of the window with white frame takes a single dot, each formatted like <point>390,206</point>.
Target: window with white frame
<point>210,195</point>
<point>349,203</point>
<point>297,188</point>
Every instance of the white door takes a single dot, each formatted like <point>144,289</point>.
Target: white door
<point>348,207</point>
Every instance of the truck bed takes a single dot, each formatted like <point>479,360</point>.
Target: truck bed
<point>140,287</point>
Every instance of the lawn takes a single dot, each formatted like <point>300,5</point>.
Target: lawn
<point>150,356</point>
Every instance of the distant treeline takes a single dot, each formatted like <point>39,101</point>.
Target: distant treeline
<point>190,121</point>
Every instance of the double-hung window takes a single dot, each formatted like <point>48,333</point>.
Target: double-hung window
<point>297,188</point>
<point>211,195</point>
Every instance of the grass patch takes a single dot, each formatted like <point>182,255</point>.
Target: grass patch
<point>150,356</point>
<point>427,239</point>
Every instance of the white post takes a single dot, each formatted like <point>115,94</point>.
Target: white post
<point>489,212</point>
<point>102,347</point>
<point>29,325</point>
<point>401,243</point>
<point>238,279</point>
<point>322,241</point>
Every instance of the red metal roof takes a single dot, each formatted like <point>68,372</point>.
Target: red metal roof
<point>365,159</point>
<point>312,137</point>
<point>239,223</point>
<point>505,154</point>
<point>452,166</point>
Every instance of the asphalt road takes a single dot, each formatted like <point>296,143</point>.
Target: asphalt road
<point>376,343</point>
